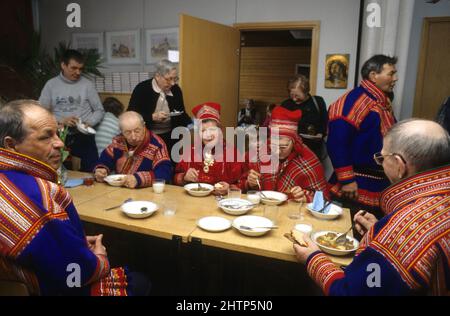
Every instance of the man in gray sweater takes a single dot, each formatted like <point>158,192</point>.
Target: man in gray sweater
<point>75,102</point>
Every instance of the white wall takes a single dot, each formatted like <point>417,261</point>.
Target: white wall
<point>338,32</point>
<point>421,10</point>
<point>338,28</point>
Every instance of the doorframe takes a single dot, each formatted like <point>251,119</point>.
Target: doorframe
<point>427,21</point>
<point>294,25</point>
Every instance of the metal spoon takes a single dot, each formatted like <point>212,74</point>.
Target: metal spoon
<point>111,208</point>
<point>261,192</point>
<point>255,227</point>
<point>343,237</point>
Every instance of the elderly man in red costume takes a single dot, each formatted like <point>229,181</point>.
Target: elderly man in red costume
<point>299,172</point>
<point>407,252</point>
<point>208,163</point>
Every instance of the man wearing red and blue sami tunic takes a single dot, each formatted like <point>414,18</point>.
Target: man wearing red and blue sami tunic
<point>138,153</point>
<point>42,243</point>
<point>357,123</point>
<point>407,252</point>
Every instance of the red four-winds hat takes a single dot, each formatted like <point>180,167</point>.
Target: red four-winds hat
<point>207,111</point>
<point>286,121</point>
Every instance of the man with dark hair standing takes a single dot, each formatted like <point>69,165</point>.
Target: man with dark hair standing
<point>357,123</point>
<point>75,102</point>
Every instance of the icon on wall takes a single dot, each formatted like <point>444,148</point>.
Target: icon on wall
<point>336,71</point>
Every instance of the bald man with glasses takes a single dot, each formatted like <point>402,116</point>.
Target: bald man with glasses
<point>409,246</point>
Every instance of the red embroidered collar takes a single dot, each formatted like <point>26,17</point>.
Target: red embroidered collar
<point>10,160</point>
<point>429,183</point>
<point>376,92</point>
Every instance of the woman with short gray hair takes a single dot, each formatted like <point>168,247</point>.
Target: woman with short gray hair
<point>160,101</point>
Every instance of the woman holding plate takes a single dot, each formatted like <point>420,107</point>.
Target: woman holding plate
<point>160,102</point>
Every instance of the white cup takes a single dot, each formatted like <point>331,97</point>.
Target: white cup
<point>304,228</point>
<point>254,197</point>
<point>158,185</point>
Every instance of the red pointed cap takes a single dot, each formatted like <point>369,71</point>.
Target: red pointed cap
<point>207,111</point>
<point>285,120</point>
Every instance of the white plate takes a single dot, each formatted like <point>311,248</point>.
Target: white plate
<point>235,206</point>
<point>86,130</point>
<point>252,221</point>
<point>333,251</point>
<point>334,211</point>
<point>175,113</point>
<point>139,209</point>
<point>115,179</point>
<point>280,197</point>
<point>190,186</point>
<point>214,223</point>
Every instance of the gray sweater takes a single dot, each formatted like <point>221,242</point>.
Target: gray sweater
<point>72,98</point>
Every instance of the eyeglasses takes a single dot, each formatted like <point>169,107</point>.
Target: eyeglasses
<point>282,146</point>
<point>172,79</point>
<point>379,157</point>
<point>137,131</point>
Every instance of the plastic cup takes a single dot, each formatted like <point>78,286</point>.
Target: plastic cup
<point>158,185</point>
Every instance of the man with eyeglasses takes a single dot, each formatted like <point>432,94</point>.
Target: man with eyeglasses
<point>409,246</point>
<point>160,102</point>
<point>357,123</point>
<point>138,153</point>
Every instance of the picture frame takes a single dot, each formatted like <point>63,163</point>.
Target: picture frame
<point>303,69</point>
<point>123,47</point>
<point>86,41</point>
<point>159,42</point>
<point>336,71</point>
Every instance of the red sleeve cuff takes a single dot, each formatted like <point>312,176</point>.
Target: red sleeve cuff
<point>345,175</point>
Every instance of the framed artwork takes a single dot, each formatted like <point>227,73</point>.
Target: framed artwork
<point>86,41</point>
<point>336,71</point>
<point>159,42</point>
<point>302,69</point>
<point>123,47</point>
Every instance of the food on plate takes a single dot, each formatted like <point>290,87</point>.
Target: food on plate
<point>200,189</point>
<point>218,186</point>
<point>296,237</point>
<point>329,240</point>
<point>270,199</point>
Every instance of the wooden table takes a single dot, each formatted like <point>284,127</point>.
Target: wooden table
<point>83,193</point>
<point>91,202</point>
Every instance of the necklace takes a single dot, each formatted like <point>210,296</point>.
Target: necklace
<point>208,161</point>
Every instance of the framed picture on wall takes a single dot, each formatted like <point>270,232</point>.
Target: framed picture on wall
<point>159,42</point>
<point>336,71</point>
<point>86,41</point>
<point>123,47</point>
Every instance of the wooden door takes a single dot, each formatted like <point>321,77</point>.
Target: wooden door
<point>433,78</point>
<point>209,65</point>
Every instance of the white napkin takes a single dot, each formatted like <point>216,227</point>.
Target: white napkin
<point>319,202</point>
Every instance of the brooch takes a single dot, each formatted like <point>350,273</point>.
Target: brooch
<point>208,162</point>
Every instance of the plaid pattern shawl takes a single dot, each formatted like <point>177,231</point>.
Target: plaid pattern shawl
<point>302,168</point>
